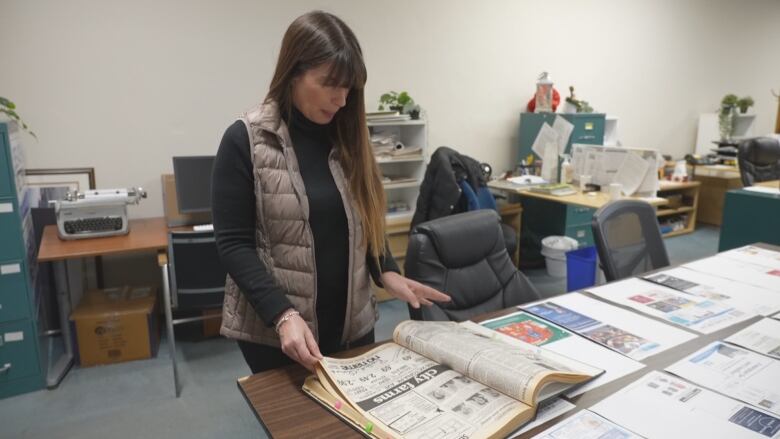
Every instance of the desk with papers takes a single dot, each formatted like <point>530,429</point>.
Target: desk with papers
<point>692,320</point>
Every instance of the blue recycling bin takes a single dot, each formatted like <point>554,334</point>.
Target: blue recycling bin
<point>581,267</point>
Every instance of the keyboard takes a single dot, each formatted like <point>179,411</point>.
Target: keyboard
<point>203,228</point>
<point>93,225</point>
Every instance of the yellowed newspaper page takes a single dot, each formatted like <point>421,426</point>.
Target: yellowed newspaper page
<point>515,370</point>
<point>414,397</point>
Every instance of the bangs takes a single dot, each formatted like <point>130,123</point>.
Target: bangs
<point>346,70</point>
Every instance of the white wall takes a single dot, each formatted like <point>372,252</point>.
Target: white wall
<point>124,86</point>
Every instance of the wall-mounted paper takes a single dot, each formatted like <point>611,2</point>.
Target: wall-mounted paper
<point>564,128</point>
<point>631,173</point>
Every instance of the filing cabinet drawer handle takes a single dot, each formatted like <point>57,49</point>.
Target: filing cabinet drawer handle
<point>6,367</point>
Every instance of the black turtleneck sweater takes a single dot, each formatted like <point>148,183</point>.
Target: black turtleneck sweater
<point>233,208</point>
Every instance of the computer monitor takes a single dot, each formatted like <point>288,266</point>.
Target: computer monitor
<point>193,183</point>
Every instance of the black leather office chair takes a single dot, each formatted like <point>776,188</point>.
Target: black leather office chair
<point>464,255</point>
<point>195,281</point>
<point>628,239</point>
<point>759,160</point>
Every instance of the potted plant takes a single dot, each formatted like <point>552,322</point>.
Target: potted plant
<point>744,104</point>
<point>577,105</point>
<point>9,109</point>
<point>726,116</point>
<point>400,102</point>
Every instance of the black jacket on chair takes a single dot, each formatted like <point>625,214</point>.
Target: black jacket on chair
<point>440,194</point>
<point>464,255</point>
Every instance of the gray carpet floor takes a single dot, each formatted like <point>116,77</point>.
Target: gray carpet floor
<point>136,399</point>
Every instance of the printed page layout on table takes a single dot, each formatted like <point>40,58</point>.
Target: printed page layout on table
<point>623,331</point>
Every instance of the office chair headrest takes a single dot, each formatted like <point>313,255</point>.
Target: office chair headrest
<point>463,239</point>
<point>760,151</point>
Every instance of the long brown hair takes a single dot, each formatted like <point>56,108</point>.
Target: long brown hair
<point>313,39</point>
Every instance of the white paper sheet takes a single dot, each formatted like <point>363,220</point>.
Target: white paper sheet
<point>763,190</point>
<point>751,254</point>
<point>691,312</point>
<point>546,412</point>
<point>546,136</point>
<point>550,163</point>
<point>563,128</point>
<point>737,294</point>
<point>739,271</point>
<point>623,331</point>
<point>762,337</point>
<point>631,173</point>
<point>735,372</point>
<point>539,332</point>
<point>586,425</point>
<point>660,405</point>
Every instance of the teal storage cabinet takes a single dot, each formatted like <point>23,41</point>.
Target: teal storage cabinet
<point>21,368</point>
<point>749,217</point>
<point>588,129</point>
<point>542,218</point>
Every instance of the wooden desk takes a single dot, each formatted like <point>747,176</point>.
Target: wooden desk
<point>148,234</point>
<point>715,181</point>
<point>145,234</point>
<point>284,411</point>
<point>571,215</point>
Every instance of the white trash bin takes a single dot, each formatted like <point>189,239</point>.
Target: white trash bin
<point>554,250</point>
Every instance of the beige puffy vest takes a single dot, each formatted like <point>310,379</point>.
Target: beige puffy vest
<point>285,241</point>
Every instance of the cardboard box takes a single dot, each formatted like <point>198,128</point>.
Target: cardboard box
<point>116,325</point>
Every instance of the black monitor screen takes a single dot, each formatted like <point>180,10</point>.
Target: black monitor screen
<point>193,183</point>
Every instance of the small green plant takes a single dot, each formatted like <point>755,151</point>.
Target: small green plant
<point>744,104</point>
<point>579,104</point>
<point>395,101</point>
<point>9,108</point>
<point>729,102</point>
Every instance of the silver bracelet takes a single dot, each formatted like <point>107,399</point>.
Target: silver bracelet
<point>285,318</point>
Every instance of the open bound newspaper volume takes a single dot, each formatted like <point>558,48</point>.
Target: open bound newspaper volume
<point>444,380</point>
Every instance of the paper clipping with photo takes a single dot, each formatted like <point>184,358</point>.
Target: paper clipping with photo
<point>762,337</point>
<point>622,331</point>
<point>586,425</point>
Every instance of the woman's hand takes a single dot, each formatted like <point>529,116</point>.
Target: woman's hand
<point>410,291</point>
<point>298,342</point>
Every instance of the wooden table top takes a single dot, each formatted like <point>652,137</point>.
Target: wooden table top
<point>285,411</point>
<point>775,184</point>
<point>145,234</point>
<point>593,200</point>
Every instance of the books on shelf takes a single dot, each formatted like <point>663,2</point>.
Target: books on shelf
<point>557,189</point>
<point>444,380</point>
<point>386,116</point>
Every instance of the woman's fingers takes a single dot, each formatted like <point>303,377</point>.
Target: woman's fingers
<point>426,292</point>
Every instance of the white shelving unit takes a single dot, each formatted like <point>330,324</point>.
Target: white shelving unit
<point>411,133</point>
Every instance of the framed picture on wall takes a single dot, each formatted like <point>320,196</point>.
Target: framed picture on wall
<point>52,184</point>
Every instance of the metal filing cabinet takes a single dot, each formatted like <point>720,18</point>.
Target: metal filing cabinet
<point>20,366</point>
<point>542,218</point>
<point>588,129</point>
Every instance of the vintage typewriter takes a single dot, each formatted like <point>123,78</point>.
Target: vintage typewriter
<point>95,213</point>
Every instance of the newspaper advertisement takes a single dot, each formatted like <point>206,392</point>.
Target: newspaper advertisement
<point>586,425</point>
<point>737,294</point>
<point>660,405</point>
<point>693,312</point>
<point>623,331</point>
<point>472,350</point>
<point>729,267</point>
<point>538,332</point>
<point>735,372</point>
<point>416,397</point>
<point>762,337</point>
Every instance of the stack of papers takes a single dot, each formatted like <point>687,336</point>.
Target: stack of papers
<point>386,116</point>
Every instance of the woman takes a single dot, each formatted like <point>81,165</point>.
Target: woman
<point>298,208</point>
